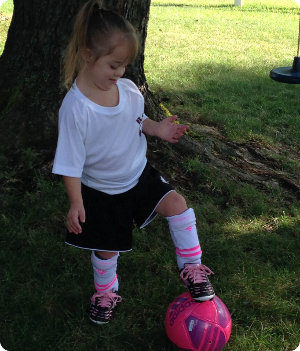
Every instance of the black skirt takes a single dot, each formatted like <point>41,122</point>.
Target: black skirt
<point>109,218</point>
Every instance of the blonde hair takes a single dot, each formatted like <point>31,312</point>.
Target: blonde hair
<point>94,29</point>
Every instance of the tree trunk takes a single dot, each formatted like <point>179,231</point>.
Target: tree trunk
<point>31,90</point>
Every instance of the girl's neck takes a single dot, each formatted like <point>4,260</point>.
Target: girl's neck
<point>105,98</point>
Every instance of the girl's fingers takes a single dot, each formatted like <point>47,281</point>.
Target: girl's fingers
<point>172,118</point>
<point>74,226</point>
<point>82,216</point>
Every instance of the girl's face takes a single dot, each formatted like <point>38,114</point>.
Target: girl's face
<point>105,72</point>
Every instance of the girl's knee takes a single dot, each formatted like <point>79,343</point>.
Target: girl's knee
<point>179,204</point>
<point>105,255</point>
<point>172,205</point>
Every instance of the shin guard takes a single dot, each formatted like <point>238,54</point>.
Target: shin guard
<point>184,234</point>
<point>105,273</point>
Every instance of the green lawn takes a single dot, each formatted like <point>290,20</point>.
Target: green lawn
<point>209,62</point>
<point>217,60</point>
<point>6,10</point>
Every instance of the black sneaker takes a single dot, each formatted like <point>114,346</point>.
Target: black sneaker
<point>194,277</point>
<point>102,305</point>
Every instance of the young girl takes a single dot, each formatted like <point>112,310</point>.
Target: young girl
<point>101,153</point>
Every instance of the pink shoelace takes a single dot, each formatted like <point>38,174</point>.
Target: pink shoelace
<point>196,273</point>
<point>106,299</point>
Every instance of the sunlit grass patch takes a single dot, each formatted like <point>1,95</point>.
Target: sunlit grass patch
<point>6,11</point>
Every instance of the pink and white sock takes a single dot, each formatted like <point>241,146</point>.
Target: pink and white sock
<point>184,234</point>
<point>105,273</point>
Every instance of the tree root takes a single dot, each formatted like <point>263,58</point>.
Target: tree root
<point>264,166</point>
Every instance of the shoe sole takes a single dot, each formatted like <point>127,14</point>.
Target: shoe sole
<point>205,298</point>
<point>97,322</point>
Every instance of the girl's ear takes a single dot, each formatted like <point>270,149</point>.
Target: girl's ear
<point>86,55</point>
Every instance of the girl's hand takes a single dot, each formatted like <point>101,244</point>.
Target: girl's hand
<point>169,131</point>
<point>76,214</point>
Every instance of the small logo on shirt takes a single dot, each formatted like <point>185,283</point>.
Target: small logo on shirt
<point>140,122</point>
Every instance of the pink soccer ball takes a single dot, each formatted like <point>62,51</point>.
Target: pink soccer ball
<point>198,326</point>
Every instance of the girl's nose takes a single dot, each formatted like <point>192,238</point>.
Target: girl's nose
<point>120,71</point>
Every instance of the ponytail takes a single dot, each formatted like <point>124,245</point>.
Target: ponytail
<point>94,28</point>
<point>72,59</point>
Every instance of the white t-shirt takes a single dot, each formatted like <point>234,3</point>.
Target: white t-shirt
<point>104,146</point>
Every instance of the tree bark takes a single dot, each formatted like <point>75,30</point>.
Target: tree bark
<point>31,90</point>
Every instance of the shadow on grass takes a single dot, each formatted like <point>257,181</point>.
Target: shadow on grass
<point>46,285</point>
<point>242,101</point>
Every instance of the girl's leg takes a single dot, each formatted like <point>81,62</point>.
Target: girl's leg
<point>105,270</point>
<point>106,284</point>
<point>182,224</point>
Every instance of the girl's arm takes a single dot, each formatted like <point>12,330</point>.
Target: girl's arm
<point>76,212</point>
<point>165,129</point>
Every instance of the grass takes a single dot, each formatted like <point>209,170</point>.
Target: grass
<point>45,285</point>
<point>209,62</point>
<point>6,10</point>
<point>217,61</point>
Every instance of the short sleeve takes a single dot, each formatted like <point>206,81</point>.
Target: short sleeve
<point>70,152</point>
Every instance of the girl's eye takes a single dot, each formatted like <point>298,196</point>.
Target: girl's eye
<point>112,67</point>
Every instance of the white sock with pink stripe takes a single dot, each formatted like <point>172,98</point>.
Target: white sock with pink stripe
<point>184,234</point>
<point>105,273</point>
